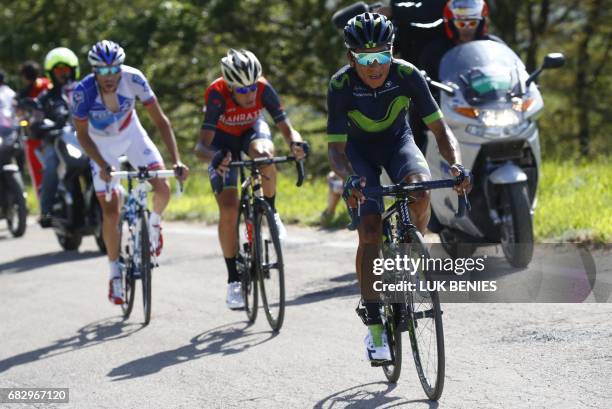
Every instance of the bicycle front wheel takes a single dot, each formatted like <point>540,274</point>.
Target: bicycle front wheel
<point>245,261</point>
<point>127,259</point>
<point>145,265</point>
<point>270,265</point>
<point>394,336</point>
<point>425,323</point>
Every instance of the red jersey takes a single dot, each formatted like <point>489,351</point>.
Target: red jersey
<point>224,114</point>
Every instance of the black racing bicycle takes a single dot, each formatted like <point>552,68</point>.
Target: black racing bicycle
<point>260,256</point>
<point>415,311</point>
<point>136,256</point>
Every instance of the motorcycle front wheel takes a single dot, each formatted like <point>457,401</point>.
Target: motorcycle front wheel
<point>517,225</point>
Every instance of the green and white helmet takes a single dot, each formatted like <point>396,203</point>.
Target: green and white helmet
<point>62,55</point>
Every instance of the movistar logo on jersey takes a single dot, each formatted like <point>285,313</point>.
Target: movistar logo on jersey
<point>398,105</point>
<point>339,83</point>
<point>404,70</point>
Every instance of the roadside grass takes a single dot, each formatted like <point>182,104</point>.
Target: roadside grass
<point>296,205</point>
<point>574,201</point>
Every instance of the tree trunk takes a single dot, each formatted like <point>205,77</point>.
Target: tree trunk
<point>582,79</point>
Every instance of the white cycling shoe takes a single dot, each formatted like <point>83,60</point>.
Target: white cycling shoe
<point>282,231</point>
<point>115,291</point>
<point>377,353</point>
<point>234,300</point>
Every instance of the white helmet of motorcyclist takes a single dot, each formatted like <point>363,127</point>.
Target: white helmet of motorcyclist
<point>467,9</point>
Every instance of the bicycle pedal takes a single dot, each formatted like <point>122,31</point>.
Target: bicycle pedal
<point>377,364</point>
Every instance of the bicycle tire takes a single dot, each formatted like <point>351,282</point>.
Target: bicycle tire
<point>430,376</point>
<point>266,238</point>
<point>145,265</point>
<point>246,261</point>
<point>394,337</point>
<point>129,282</point>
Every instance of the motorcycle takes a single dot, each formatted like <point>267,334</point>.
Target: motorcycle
<point>491,104</point>
<point>75,210</point>
<point>13,206</point>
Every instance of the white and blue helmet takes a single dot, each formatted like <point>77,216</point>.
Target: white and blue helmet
<point>105,53</point>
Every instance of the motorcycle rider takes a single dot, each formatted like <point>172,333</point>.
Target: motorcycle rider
<point>464,21</point>
<point>34,84</point>
<point>62,67</point>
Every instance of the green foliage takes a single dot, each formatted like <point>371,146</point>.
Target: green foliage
<point>178,45</point>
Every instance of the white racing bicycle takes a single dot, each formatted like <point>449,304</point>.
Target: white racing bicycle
<point>136,257</point>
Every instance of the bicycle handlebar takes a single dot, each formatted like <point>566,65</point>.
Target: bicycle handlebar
<point>142,175</point>
<point>299,165</point>
<point>403,189</point>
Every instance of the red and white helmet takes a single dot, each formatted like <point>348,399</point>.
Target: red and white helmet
<point>465,10</point>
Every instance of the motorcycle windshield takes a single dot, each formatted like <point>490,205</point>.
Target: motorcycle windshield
<point>485,71</point>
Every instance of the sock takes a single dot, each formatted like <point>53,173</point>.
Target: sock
<point>376,331</point>
<point>271,201</point>
<point>373,312</point>
<point>154,219</point>
<point>114,271</point>
<point>232,271</point>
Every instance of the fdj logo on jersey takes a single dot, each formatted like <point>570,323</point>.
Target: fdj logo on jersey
<point>140,81</point>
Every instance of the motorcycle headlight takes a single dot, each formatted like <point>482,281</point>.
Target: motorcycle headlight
<point>499,117</point>
<point>74,151</point>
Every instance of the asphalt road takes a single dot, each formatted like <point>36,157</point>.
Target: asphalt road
<point>58,330</point>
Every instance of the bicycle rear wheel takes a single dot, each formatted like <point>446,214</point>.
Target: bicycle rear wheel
<point>425,323</point>
<point>127,259</point>
<point>145,265</point>
<point>245,261</point>
<point>270,264</point>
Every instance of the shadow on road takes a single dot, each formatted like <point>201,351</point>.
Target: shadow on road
<point>369,395</point>
<point>108,329</point>
<point>226,339</point>
<point>347,290</point>
<point>44,260</point>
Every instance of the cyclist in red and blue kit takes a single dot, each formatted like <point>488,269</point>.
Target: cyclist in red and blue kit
<point>234,123</point>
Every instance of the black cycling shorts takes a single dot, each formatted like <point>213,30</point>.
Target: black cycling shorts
<point>236,145</point>
<point>400,157</point>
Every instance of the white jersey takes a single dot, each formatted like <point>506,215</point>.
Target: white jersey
<point>87,102</point>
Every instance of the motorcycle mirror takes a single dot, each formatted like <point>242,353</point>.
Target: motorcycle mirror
<point>553,60</point>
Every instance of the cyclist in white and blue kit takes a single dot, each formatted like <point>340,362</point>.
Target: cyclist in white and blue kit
<point>107,127</point>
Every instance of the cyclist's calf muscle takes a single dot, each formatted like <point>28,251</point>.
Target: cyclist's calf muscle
<point>110,221</point>
<point>228,215</point>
